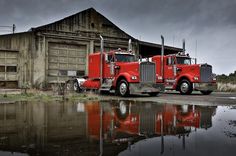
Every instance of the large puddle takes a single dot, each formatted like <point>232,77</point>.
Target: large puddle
<point>116,128</point>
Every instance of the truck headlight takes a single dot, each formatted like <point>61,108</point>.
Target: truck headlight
<point>134,77</point>
<point>195,78</point>
<point>159,77</point>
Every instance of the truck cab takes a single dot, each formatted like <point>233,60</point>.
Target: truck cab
<point>122,73</point>
<point>182,73</point>
<point>114,60</point>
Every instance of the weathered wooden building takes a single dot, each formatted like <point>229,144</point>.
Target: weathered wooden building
<point>53,52</point>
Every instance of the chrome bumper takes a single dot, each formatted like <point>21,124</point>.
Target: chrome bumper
<point>204,86</point>
<point>136,88</point>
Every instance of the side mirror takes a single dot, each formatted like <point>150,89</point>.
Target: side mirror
<point>140,58</point>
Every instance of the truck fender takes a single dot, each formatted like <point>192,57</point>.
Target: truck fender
<point>185,76</point>
<point>125,76</point>
<point>79,82</point>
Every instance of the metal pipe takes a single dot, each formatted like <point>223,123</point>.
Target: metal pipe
<point>101,59</point>
<point>130,45</point>
<point>162,135</point>
<point>183,143</point>
<point>184,46</point>
<point>162,57</point>
<point>101,130</point>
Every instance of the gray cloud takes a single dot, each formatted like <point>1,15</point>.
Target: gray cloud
<point>211,23</point>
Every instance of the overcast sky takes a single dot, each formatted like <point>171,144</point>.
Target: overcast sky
<point>208,26</point>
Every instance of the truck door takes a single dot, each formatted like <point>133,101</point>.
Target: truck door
<point>109,65</point>
<point>170,72</point>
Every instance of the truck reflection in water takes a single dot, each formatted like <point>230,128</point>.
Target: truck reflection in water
<point>101,128</point>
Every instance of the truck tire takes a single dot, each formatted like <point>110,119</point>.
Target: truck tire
<point>185,87</point>
<point>153,94</point>
<point>123,88</point>
<point>122,110</point>
<point>206,92</point>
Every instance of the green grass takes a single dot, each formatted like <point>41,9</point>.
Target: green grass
<point>45,97</point>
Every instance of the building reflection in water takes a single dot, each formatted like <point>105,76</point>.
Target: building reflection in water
<point>93,128</point>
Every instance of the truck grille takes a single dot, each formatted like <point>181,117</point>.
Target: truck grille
<point>147,122</point>
<point>147,72</point>
<point>206,73</point>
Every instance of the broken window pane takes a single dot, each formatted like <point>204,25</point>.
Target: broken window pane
<point>63,72</point>
<point>80,73</point>
<point>2,84</point>
<point>2,68</point>
<point>11,69</point>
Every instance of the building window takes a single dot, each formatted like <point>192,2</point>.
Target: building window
<point>2,84</point>
<point>92,25</point>
<point>170,61</point>
<point>72,73</point>
<point>11,69</point>
<point>63,72</point>
<point>107,25</point>
<point>2,68</point>
<point>80,73</point>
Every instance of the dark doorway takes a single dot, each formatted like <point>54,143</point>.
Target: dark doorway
<point>150,49</point>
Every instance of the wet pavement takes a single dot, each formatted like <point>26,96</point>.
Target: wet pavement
<point>116,127</point>
<point>173,97</point>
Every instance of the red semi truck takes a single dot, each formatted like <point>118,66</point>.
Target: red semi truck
<point>131,118</point>
<point>180,72</point>
<point>120,71</point>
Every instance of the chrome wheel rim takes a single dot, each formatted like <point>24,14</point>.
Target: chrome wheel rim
<point>123,109</point>
<point>184,87</point>
<point>123,88</point>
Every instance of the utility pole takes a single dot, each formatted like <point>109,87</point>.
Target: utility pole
<point>8,28</point>
<point>196,49</point>
<point>13,28</point>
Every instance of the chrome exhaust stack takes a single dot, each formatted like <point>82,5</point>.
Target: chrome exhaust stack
<point>184,46</point>
<point>101,58</point>
<point>130,45</point>
<point>162,57</point>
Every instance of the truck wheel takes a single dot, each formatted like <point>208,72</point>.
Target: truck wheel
<point>185,87</point>
<point>123,88</point>
<point>122,111</point>
<point>206,92</point>
<point>153,94</point>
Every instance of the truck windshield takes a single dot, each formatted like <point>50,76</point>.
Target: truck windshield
<point>184,60</point>
<point>124,58</point>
